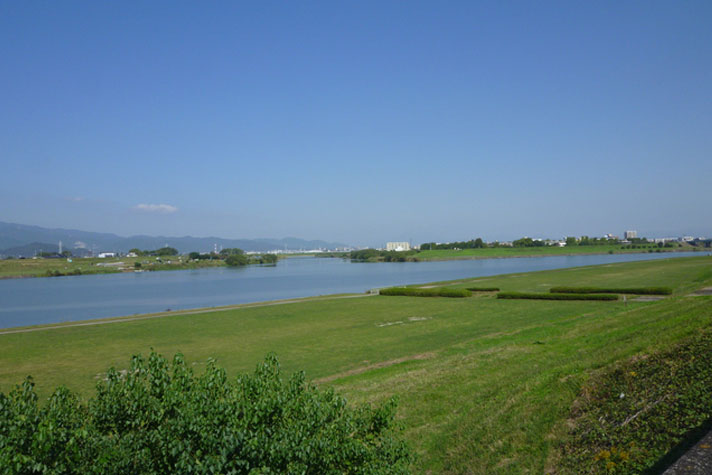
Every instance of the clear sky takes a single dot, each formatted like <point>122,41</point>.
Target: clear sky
<point>361,122</point>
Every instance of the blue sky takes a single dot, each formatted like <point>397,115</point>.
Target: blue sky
<point>358,122</point>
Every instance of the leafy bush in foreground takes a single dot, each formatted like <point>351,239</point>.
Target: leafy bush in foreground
<point>159,417</point>
<point>613,290</point>
<point>537,296</point>
<point>436,292</point>
<point>631,415</point>
<point>483,289</point>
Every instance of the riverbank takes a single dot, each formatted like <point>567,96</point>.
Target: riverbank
<point>503,252</point>
<point>507,252</point>
<point>485,385</point>
<point>85,297</point>
<point>48,267</point>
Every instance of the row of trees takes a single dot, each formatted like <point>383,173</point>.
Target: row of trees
<point>471,244</point>
<point>526,242</point>
<point>55,254</point>
<point>164,251</point>
<point>373,255</point>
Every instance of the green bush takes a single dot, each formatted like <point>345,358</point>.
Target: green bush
<point>630,415</point>
<point>436,292</point>
<point>159,417</point>
<point>540,296</point>
<point>237,260</point>
<point>612,290</point>
<point>483,289</point>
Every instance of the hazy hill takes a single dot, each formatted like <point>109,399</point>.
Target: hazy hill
<point>15,237</point>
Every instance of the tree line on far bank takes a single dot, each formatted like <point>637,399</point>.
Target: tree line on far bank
<point>529,242</point>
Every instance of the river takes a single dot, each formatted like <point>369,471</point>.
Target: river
<point>73,298</point>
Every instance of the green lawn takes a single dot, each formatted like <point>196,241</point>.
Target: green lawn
<point>485,385</point>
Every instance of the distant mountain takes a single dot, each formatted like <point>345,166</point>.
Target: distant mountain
<point>15,239</point>
<point>34,248</point>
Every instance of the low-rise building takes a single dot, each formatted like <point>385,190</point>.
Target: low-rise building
<point>397,246</point>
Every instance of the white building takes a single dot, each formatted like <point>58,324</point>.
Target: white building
<point>397,246</point>
<point>631,234</point>
<point>104,255</point>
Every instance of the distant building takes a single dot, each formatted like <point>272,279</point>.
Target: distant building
<point>631,234</point>
<point>106,254</point>
<point>397,246</point>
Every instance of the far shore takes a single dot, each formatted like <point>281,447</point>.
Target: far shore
<point>88,266</point>
<point>569,254</point>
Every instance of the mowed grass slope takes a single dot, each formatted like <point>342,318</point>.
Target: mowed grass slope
<point>485,385</point>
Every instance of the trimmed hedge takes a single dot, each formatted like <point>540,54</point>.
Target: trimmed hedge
<point>539,296</point>
<point>483,289</point>
<point>612,290</point>
<point>416,292</point>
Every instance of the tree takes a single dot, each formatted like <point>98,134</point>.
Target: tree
<point>166,251</point>
<point>235,260</point>
<point>194,255</point>
<point>268,259</point>
<point>571,241</point>
<point>158,417</point>
<point>231,251</point>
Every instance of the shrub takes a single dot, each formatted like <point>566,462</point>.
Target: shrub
<point>237,260</point>
<point>612,290</point>
<point>159,417</point>
<point>539,296</point>
<point>436,292</point>
<point>483,289</point>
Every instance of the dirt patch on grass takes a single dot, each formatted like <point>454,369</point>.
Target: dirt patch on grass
<point>382,364</point>
<point>701,292</point>
<point>647,298</point>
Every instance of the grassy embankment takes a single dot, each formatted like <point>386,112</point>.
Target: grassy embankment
<point>10,268</point>
<point>485,384</point>
<point>495,252</point>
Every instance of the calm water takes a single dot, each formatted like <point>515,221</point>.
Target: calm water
<point>60,299</point>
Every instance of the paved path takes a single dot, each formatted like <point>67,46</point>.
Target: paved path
<point>696,461</point>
